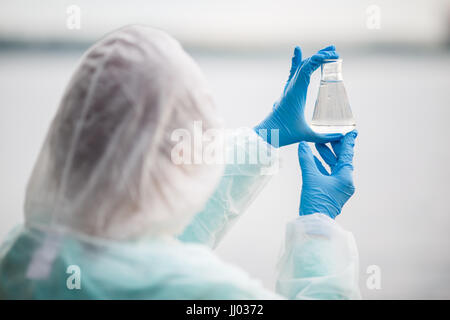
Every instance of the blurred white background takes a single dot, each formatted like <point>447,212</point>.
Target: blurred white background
<point>397,74</point>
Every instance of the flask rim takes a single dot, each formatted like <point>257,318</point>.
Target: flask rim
<point>332,60</point>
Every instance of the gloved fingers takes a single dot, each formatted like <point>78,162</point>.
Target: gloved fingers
<point>308,66</point>
<point>345,154</point>
<point>296,61</point>
<point>320,166</point>
<point>336,146</point>
<point>327,155</point>
<point>306,158</point>
<point>329,48</point>
<point>312,63</point>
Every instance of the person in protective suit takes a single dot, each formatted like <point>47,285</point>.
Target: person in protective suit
<point>107,199</point>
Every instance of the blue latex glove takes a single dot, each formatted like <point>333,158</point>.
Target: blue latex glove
<point>288,112</point>
<point>324,192</point>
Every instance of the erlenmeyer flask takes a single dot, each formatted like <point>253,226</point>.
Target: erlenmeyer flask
<point>332,113</point>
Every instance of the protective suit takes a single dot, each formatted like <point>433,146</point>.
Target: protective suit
<point>109,215</point>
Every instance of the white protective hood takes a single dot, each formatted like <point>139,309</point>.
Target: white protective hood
<point>105,168</point>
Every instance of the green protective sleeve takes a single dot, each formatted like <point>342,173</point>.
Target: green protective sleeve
<point>320,260</point>
<point>250,163</point>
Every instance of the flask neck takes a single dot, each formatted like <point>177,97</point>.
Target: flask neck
<point>331,70</point>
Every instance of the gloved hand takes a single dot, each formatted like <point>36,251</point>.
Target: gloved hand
<point>324,192</point>
<point>288,112</point>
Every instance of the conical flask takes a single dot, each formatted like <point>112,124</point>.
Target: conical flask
<point>332,113</point>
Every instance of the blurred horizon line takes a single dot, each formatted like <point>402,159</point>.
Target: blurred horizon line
<point>56,45</point>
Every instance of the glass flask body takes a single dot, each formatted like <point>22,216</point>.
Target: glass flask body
<point>332,112</point>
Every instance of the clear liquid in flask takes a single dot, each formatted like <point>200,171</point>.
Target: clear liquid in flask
<point>332,112</point>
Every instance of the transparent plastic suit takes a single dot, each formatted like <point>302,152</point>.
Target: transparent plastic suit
<point>106,204</point>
